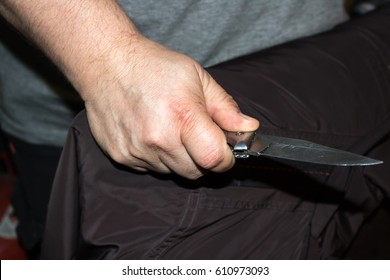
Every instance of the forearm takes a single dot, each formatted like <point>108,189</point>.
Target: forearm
<point>80,36</point>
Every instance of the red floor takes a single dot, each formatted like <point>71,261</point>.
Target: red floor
<point>9,245</point>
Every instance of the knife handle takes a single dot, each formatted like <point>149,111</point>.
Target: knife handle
<point>240,142</point>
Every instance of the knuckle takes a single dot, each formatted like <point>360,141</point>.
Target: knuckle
<point>118,157</point>
<point>154,141</point>
<point>186,113</point>
<point>123,155</point>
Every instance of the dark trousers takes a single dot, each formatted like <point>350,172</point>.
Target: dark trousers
<point>333,88</point>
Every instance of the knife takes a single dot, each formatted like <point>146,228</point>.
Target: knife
<point>246,144</point>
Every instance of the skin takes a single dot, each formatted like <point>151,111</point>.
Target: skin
<point>149,107</point>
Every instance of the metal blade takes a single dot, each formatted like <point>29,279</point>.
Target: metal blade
<point>245,144</point>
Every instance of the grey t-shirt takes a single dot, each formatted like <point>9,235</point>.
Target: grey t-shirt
<point>37,105</point>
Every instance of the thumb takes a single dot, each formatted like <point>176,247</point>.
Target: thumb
<point>224,110</point>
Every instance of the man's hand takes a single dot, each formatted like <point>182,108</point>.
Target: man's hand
<point>148,107</point>
<point>161,111</point>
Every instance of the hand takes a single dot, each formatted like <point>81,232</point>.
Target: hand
<point>148,107</point>
<point>156,109</point>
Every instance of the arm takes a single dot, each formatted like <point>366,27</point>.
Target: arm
<point>148,107</point>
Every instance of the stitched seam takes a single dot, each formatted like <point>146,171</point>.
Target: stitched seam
<point>174,236</point>
<point>285,206</point>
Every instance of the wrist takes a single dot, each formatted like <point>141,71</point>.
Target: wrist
<point>103,66</point>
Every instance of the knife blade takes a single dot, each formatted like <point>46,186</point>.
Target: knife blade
<point>246,144</point>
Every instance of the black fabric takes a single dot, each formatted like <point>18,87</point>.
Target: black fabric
<point>333,88</point>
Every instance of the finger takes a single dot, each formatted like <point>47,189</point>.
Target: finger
<point>165,155</point>
<point>206,145</point>
<point>181,163</point>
